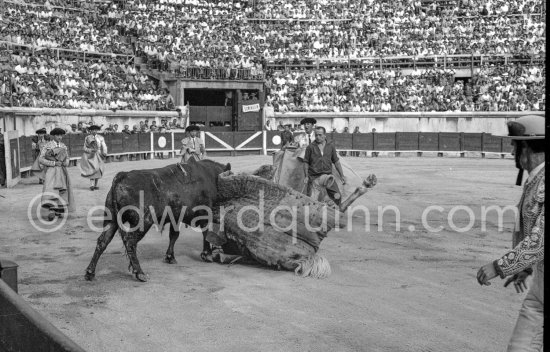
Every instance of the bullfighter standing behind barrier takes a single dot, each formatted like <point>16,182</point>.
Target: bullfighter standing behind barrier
<point>528,137</point>
<point>57,192</point>
<point>38,143</point>
<point>92,164</point>
<point>192,146</point>
<point>305,139</point>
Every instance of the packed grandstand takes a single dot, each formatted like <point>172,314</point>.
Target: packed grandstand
<point>314,55</point>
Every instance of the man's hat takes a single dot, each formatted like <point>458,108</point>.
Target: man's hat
<point>308,120</point>
<point>192,128</point>
<point>94,128</point>
<point>57,131</point>
<point>41,131</point>
<point>527,128</point>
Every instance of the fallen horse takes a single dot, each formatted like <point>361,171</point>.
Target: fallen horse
<point>276,225</point>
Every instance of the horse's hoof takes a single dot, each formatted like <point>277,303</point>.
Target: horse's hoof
<point>89,276</point>
<point>142,277</point>
<point>170,260</point>
<point>207,257</point>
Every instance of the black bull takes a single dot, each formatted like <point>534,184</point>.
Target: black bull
<point>175,188</point>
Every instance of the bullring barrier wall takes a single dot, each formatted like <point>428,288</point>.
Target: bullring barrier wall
<point>23,329</point>
<point>28,120</point>
<point>149,145</point>
<point>471,122</point>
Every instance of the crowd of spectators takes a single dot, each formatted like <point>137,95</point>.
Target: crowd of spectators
<point>399,28</point>
<point>240,34</point>
<point>58,25</point>
<point>205,33</point>
<point>494,88</point>
<point>144,126</point>
<point>194,34</point>
<point>43,80</point>
<point>236,39</point>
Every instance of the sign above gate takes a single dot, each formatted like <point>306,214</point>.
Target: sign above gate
<point>251,108</point>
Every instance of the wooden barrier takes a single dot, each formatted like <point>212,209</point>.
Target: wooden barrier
<point>144,145</point>
<point>247,142</point>
<point>162,142</point>
<point>450,142</point>
<point>490,143</point>
<point>428,141</point>
<point>27,153</point>
<point>239,143</point>
<point>406,141</point>
<point>116,141</point>
<point>219,143</point>
<point>342,141</point>
<point>472,142</point>
<point>75,143</point>
<point>362,141</point>
<point>384,141</point>
<point>24,329</point>
<point>273,140</point>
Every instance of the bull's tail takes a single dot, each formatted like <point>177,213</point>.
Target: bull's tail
<point>111,204</point>
<point>314,265</point>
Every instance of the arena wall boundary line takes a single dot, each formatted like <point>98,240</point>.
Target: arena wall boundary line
<point>23,329</point>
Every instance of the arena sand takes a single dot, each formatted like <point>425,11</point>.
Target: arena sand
<point>407,290</point>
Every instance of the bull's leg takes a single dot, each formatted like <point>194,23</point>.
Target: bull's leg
<point>174,234</point>
<point>102,243</point>
<point>206,253</point>
<point>359,191</point>
<point>131,240</point>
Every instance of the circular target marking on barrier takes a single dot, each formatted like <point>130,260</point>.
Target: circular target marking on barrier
<point>276,140</point>
<point>161,142</point>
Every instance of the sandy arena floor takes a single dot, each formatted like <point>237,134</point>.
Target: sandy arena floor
<point>406,290</point>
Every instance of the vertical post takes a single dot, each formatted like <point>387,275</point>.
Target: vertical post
<point>152,156</point>
<point>264,142</point>
<point>173,145</point>
<point>202,136</point>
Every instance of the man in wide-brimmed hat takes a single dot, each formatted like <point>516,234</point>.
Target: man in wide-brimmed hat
<point>38,142</point>
<point>92,164</point>
<point>527,256</point>
<point>57,195</point>
<point>192,146</point>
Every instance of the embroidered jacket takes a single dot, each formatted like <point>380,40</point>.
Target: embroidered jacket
<point>192,145</point>
<point>48,146</point>
<point>302,139</point>
<point>38,146</point>
<point>528,240</point>
<point>101,145</point>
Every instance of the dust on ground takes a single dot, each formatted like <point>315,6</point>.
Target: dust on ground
<point>406,289</point>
